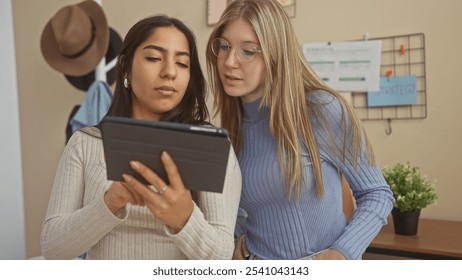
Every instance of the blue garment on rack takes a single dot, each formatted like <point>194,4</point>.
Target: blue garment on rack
<point>94,107</point>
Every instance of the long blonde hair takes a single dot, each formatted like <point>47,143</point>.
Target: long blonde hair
<point>289,82</point>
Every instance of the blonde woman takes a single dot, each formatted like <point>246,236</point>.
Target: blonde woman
<point>294,137</point>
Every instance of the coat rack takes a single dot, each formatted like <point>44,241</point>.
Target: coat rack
<point>100,71</point>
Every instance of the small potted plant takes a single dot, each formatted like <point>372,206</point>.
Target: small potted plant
<point>412,191</point>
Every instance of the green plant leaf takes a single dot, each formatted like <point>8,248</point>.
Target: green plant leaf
<point>412,190</point>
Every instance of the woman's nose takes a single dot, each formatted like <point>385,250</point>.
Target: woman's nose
<point>231,58</point>
<point>168,70</point>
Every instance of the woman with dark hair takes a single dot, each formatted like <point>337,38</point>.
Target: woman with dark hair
<point>158,78</point>
<point>192,108</point>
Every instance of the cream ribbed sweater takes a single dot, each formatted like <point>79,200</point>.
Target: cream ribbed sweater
<point>78,220</point>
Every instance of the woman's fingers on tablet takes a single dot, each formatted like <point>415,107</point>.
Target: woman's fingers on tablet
<point>148,195</point>
<point>157,185</point>
<point>172,204</point>
<point>172,171</point>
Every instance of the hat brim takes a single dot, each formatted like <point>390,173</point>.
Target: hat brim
<point>87,61</point>
<point>84,82</point>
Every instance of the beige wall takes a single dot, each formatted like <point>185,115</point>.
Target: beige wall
<point>46,98</point>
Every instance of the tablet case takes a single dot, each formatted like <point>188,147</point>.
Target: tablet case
<point>200,153</point>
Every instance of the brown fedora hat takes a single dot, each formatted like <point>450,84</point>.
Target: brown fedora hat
<point>84,82</point>
<point>76,38</point>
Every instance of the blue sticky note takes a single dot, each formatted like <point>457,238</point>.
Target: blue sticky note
<point>399,90</point>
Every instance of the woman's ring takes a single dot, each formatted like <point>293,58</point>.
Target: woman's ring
<point>153,188</point>
<point>161,191</point>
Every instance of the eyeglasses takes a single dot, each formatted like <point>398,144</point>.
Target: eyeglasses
<point>246,52</point>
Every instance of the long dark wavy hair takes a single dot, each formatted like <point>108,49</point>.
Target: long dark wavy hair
<point>192,108</point>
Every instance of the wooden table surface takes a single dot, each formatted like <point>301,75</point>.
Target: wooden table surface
<point>435,239</point>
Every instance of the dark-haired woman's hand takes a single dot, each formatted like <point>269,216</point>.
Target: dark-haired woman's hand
<point>118,195</point>
<point>172,204</point>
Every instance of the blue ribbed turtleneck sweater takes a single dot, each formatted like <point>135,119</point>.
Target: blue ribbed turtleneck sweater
<point>281,228</point>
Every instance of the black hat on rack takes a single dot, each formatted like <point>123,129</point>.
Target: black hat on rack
<point>85,81</point>
<point>76,38</point>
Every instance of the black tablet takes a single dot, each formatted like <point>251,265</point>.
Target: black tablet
<point>200,152</point>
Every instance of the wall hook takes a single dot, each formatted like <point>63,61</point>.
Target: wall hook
<point>366,36</point>
<point>388,129</point>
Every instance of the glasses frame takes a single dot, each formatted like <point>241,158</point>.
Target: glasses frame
<point>236,52</point>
